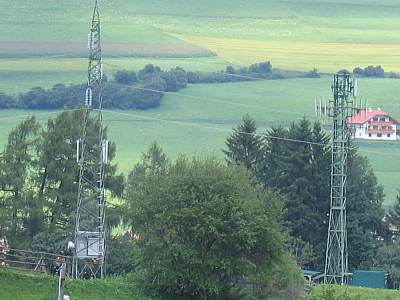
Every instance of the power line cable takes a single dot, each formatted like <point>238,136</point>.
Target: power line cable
<point>191,124</point>
<point>184,123</point>
<point>212,99</point>
<point>38,114</point>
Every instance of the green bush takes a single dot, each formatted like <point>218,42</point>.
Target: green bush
<point>207,230</point>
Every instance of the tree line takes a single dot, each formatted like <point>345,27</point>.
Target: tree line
<point>200,228</point>
<point>204,229</point>
<point>140,90</point>
<point>374,72</point>
<point>300,171</point>
<point>38,182</point>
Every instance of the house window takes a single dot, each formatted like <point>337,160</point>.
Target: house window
<point>370,135</point>
<point>379,135</point>
<point>388,135</point>
<point>390,127</point>
<point>382,119</point>
<point>375,119</point>
<point>375,127</point>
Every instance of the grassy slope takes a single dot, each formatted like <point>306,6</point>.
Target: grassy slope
<point>350,292</point>
<point>293,34</point>
<point>19,286</point>
<point>200,126</point>
<point>271,103</point>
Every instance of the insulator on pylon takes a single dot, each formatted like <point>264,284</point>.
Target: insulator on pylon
<point>104,151</point>
<point>99,70</point>
<point>78,151</point>
<point>355,88</point>
<point>90,40</point>
<point>89,97</point>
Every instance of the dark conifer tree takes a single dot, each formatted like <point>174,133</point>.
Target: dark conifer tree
<point>244,145</point>
<point>271,166</point>
<point>364,211</point>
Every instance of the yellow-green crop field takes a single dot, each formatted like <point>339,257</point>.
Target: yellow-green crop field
<point>296,35</point>
<point>327,57</point>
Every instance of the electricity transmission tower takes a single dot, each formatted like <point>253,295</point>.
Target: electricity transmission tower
<point>92,157</point>
<point>340,110</point>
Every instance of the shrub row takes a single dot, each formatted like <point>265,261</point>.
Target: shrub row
<point>143,89</point>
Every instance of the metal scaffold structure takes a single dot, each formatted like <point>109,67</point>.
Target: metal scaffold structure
<point>340,109</point>
<point>92,157</point>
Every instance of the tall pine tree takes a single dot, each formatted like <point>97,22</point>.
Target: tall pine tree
<point>244,144</point>
<point>364,211</point>
<point>296,162</point>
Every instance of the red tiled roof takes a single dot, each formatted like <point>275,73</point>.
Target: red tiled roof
<point>363,117</point>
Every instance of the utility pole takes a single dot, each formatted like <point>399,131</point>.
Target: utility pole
<point>61,281</point>
<point>92,157</point>
<point>340,110</point>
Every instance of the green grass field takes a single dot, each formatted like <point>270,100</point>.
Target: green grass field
<point>21,286</point>
<point>199,126</point>
<point>43,43</point>
<point>353,293</point>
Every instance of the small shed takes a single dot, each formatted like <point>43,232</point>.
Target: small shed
<point>370,279</point>
<point>312,276</point>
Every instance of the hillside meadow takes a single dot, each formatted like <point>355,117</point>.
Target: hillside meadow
<point>22,286</point>
<point>198,119</point>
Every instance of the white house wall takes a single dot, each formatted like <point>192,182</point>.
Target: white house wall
<point>360,132</point>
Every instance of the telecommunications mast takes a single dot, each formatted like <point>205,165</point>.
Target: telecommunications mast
<point>92,157</point>
<point>341,109</point>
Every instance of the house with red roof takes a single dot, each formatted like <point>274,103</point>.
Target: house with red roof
<point>373,124</point>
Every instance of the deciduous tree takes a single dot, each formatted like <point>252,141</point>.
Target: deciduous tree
<point>205,229</point>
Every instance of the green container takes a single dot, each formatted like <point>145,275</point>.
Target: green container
<point>370,279</point>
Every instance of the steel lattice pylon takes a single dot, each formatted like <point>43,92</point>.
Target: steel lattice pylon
<point>92,157</point>
<point>340,110</point>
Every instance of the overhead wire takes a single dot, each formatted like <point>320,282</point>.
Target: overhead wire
<point>218,100</point>
<point>19,117</point>
<point>196,125</point>
<point>191,124</point>
<point>212,99</point>
<point>185,123</point>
